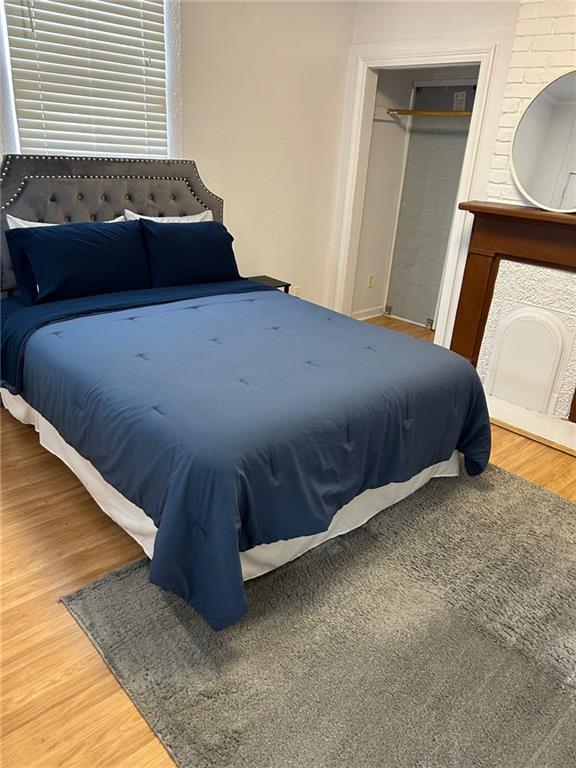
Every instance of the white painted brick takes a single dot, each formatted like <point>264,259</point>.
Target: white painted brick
<point>567,24</point>
<point>510,105</point>
<point>517,75</point>
<point>524,103</point>
<point>505,134</point>
<point>553,43</point>
<point>502,148</point>
<point>521,43</point>
<point>528,11</point>
<point>543,49</point>
<point>535,27</point>
<point>562,59</point>
<point>529,59</point>
<point>508,120</point>
<point>494,191</point>
<point>499,177</point>
<point>535,75</point>
<point>500,162</point>
<point>510,192</point>
<point>521,90</point>
<point>556,9</point>
<point>554,72</point>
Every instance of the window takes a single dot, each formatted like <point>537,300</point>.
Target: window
<point>89,76</point>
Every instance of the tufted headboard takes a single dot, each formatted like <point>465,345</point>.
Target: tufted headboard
<point>59,189</point>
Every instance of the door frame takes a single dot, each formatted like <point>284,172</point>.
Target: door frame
<point>398,204</point>
<point>357,130</point>
<point>422,82</point>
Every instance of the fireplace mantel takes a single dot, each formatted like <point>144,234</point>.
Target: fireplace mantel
<point>514,232</point>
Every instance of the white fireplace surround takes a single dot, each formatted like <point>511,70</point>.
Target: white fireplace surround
<point>529,359</point>
<point>528,354</point>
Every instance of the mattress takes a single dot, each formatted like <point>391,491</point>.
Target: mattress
<point>256,561</point>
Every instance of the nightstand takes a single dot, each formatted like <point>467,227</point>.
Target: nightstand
<point>272,282</point>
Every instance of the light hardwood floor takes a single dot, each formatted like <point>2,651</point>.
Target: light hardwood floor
<point>401,325</point>
<point>61,707</point>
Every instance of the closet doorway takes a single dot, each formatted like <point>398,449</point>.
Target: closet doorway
<point>420,129</point>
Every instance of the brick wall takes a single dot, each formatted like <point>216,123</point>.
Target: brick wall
<point>544,48</point>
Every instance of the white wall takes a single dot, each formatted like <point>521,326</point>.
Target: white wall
<point>378,21</point>
<point>263,96</point>
<point>263,93</point>
<point>383,187</point>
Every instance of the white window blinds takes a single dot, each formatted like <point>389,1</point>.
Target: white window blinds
<point>89,76</point>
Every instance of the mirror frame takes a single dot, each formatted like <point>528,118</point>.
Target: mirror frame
<point>512,167</point>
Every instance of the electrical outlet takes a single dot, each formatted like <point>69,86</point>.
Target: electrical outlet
<point>370,281</point>
<point>296,290</point>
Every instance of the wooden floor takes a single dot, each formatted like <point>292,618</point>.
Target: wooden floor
<point>401,325</point>
<point>61,707</point>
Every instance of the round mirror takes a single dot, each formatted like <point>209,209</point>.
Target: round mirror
<point>544,149</point>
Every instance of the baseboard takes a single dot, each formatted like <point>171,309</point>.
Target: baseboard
<point>557,433</point>
<point>368,314</point>
<point>532,436</point>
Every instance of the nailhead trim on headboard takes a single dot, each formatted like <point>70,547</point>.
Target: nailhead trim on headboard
<point>110,160</point>
<point>120,176</point>
<point>18,171</point>
<point>16,195</point>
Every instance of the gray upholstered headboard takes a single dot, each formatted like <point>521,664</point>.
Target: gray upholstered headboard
<point>59,189</point>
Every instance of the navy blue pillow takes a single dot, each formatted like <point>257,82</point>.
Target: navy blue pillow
<point>22,270</point>
<point>187,254</point>
<point>79,259</point>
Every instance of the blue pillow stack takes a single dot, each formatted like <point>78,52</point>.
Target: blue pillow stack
<point>73,260</point>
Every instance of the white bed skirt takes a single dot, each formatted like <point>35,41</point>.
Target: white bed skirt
<point>256,561</point>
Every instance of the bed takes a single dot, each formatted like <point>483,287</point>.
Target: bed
<point>227,427</point>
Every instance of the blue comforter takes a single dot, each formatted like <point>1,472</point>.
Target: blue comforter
<point>236,416</point>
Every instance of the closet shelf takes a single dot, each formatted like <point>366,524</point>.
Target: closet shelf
<point>428,112</point>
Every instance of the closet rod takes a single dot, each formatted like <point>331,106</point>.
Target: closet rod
<point>428,112</point>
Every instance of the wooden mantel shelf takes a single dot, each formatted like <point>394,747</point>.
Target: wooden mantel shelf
<point>537,215</point>
<point>516,233</point>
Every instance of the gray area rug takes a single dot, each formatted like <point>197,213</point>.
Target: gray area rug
<point>441,634</point>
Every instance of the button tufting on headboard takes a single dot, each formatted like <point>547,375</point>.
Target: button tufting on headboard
<point>57,189</point>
